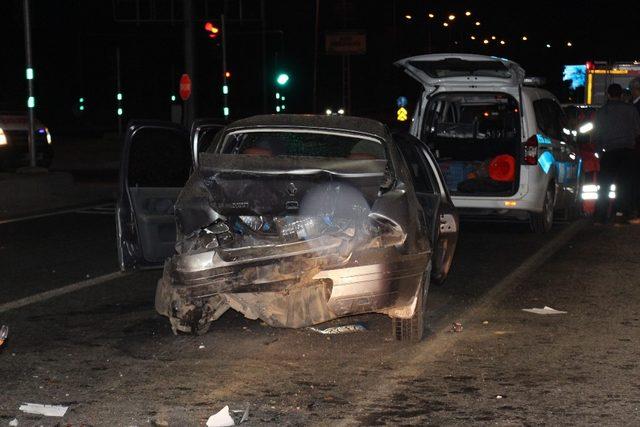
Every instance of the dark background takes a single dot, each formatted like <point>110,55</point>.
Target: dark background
<point>74,45</point>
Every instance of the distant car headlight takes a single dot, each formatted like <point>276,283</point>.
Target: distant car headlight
<point>586,128</point>
<point>3,137</point>
<point>46,131</point>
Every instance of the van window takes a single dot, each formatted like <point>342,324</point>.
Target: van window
<point>549,117</point>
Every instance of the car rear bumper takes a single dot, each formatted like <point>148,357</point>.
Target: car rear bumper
<point>295,289</point>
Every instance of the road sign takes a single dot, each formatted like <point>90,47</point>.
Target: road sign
<point>345,43</point>
<point>403,114</point>
<point>185,87</point>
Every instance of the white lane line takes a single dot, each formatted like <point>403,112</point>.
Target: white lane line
<point>414,361</point>
<point>43,296</point>
<point>43,215</point>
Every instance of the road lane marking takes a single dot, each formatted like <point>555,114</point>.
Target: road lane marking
<point>413,360</point>
<point>43,296</point>
<point>77,209</point>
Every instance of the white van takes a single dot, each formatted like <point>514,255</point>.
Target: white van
<point>503,145</point>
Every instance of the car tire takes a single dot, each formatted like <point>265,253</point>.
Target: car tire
<point>411,330</point>
<point>543,221</point>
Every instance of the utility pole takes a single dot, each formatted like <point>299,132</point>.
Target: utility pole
<point>225,90</point>
<point>315,60</point>
<point>263,42</point>
<point>31,102</point>
<point>189,61</point>
<point>119,110</point>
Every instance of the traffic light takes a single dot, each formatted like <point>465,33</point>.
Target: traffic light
<point>81,104</point>
<point>212,30</point>
<point>282,79</point>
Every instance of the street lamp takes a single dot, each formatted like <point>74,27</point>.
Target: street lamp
<point>445,24</point>
<point>477,23</point>
<point>467,13</point>
<point>408,17</point>
<point>431,16</point>
<point>452,17</point>
<point>525,38</point>
<point>569,44</point>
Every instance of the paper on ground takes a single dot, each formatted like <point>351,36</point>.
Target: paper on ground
<point>545,310</point>
<point>346,329</point>
<point>46,410</point>
<point>221,419</point>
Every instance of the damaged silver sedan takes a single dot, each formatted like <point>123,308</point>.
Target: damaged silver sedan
<point>294,220</point>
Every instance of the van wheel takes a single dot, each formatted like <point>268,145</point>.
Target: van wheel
<point>542,222</point>
<point>412,329</point>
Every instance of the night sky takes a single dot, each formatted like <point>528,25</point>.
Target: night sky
<point>74,44</point>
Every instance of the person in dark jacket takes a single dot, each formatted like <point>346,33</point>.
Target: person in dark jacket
<point>634,87</point>
<point>616,130</point>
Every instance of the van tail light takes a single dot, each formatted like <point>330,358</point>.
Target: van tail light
<point>531,151</point>
<point>502,168</point>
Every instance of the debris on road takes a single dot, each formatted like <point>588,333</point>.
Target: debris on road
<point>201,346</point>
<point>345,329</point>
<point>221,419</point>
<point>4,333</point>
<point>13,422</point>
<point>498,397</point>
<point>486,322</point>
<point>456,327</point>
<point>46,410</point>
<point>245,414</point>
<point>545,310</point>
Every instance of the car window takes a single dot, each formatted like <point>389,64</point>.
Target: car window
<point>549,117</point>
<point>421,173</point>
<point>303,144</point>
<point>159,158</point>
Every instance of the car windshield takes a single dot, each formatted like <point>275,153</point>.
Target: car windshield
<point>303,144</point>
<point>454,67</point>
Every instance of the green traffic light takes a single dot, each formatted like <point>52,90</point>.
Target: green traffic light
<point>282,79</point>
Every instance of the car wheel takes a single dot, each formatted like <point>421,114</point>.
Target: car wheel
<point>412,329</point>
<point>542,222</point>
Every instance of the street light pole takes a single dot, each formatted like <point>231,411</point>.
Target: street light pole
<point>31,100</point>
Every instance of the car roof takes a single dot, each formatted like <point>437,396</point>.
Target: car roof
<point>314,121</point>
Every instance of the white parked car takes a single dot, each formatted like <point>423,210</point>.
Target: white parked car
<point>503,144</point>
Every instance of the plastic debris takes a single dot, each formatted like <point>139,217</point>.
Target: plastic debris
<point>4,333</point>
<point>221,419</point>
<point>498,397</point>
<point>486,322</point>
<point>201,346</point>
<point>245,414</point>
<point>545,310</point>
<point>456,327</point>
<point>13,422</point>
<point>46,410</point>
<point>345,329</point>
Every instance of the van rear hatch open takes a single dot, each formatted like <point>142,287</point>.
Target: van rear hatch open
<point>471,120</point>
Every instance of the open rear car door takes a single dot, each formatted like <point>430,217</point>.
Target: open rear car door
<point>440,214</point>
<point>155,165</point>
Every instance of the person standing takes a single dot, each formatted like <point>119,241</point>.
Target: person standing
<point>617,128</point>
<point>634,87</point>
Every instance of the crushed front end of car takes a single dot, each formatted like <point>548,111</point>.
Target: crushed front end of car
<point>293,242</point>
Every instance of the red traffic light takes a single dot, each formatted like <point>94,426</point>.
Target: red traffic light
<point>227,74</point>
<point>212,30</point>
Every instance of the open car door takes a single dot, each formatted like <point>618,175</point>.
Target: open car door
<point>203,134</point>
<point>155,165</point>
<point>440,214</point>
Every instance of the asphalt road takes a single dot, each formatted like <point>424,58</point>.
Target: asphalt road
<point>103,352</point>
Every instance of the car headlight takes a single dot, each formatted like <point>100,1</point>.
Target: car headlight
<point>586,128</point>
<point>46,131</point>
<point>3,137</point>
